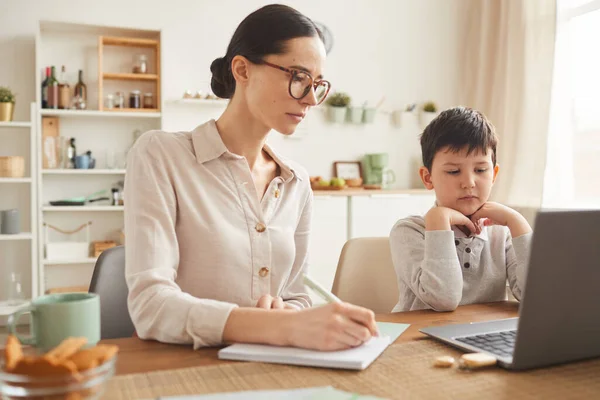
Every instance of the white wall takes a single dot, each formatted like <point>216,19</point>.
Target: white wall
<point>405,50</point>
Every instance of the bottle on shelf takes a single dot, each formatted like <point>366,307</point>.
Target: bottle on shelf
<point>81,89</point>
<point>53,90</point>
<point>45,84</point>
<point>64,97</point>
<point>115,196</point>
<point>71,153</point>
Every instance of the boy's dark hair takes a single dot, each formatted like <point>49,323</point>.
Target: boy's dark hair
<point>261,33</point>
<point>457,128</point>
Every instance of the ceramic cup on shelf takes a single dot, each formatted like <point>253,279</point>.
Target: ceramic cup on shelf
<point>82,161</point>
<point>10,222</point>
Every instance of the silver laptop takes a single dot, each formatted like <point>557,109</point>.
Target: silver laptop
<point>559,315</point>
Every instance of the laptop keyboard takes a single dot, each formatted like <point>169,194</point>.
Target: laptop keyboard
<point>499,343</point>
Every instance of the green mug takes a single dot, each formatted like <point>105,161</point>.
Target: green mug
<point>56,317</point>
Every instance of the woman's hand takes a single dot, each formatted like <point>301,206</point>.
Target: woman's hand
<point>336,326</point>
<point>269,302</point>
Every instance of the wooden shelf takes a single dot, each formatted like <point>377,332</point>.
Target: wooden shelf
<point>15,180</point>
<point>129,77</point>
<point>17,236</point>
<point>82,208</point>
<point>115,112</point>
<point>66,261</point>
<point>15,124</point>
<point>154,78</point>
<point>129,42</point>
<point>83,171</point>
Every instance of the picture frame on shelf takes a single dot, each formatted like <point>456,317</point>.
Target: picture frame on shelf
<point>348,169</point>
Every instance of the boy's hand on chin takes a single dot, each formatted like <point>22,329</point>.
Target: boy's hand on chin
<point>491,213</point>
<point>443,218</point>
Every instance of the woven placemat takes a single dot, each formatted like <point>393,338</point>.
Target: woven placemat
<point>403,371</point>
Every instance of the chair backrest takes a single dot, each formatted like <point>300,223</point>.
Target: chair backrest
<point>108,281</point>
<point>365,274</point>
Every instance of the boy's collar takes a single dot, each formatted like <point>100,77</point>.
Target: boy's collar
<point>459,234</point>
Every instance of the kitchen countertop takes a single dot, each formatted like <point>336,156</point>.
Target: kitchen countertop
<point>365,192</point>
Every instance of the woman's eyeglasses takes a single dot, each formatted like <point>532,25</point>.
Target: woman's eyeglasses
<point>301,82</point>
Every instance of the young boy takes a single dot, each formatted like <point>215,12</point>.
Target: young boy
<point>465,248</point>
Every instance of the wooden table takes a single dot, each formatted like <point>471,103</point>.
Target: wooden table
<point>136,355</point>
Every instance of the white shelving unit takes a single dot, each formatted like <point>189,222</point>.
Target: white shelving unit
<point>66,261</point>
<point>98,114</point>
<point>18,236</point>
<point>15,124</point>
<point>103,133</point>
<point>6,310</point>
<point>18,252</point>
<point>83,171</point>
<point>82,208</point>
<point>15,180</point>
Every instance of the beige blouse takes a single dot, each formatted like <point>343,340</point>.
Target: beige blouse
<point>199,240</point>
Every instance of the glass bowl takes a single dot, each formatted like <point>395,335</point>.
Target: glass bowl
<point>89,385</point>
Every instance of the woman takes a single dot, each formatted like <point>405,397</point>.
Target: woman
<point>217,223</point>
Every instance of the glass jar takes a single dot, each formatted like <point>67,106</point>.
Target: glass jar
<point>16,296</point>
<point>110,101</point>
<point>119,100</point>
<point>135,100</point>
<point>140,64</point>
<point>148,100</point>
<point>78,103</point>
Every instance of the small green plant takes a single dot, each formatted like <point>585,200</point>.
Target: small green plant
<point>6,95</point>
<point>429,107</point>
<point>338,99</point>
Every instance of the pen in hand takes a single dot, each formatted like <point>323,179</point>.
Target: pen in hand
<point>324,293</point>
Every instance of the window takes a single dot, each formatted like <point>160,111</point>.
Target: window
<point>572,177</point>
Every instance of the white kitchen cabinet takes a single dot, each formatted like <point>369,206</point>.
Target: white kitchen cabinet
<point>376,214</point>
<point>328,235</point>
<point>18,251</point>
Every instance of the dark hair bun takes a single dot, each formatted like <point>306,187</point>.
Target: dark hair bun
<point>261,33</point>
<point>222,82</point>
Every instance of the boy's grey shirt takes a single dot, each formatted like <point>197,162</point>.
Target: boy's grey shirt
<point>444,269</point>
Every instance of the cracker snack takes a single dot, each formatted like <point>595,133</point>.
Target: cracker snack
<point>67,364</point>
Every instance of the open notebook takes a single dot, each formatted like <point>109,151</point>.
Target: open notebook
<point>316,393</point>
<point>357,358</point>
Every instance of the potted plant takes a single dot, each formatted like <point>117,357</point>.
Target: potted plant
<point>338,103</point>
<point>429,112</point>
<point>7,104</point>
